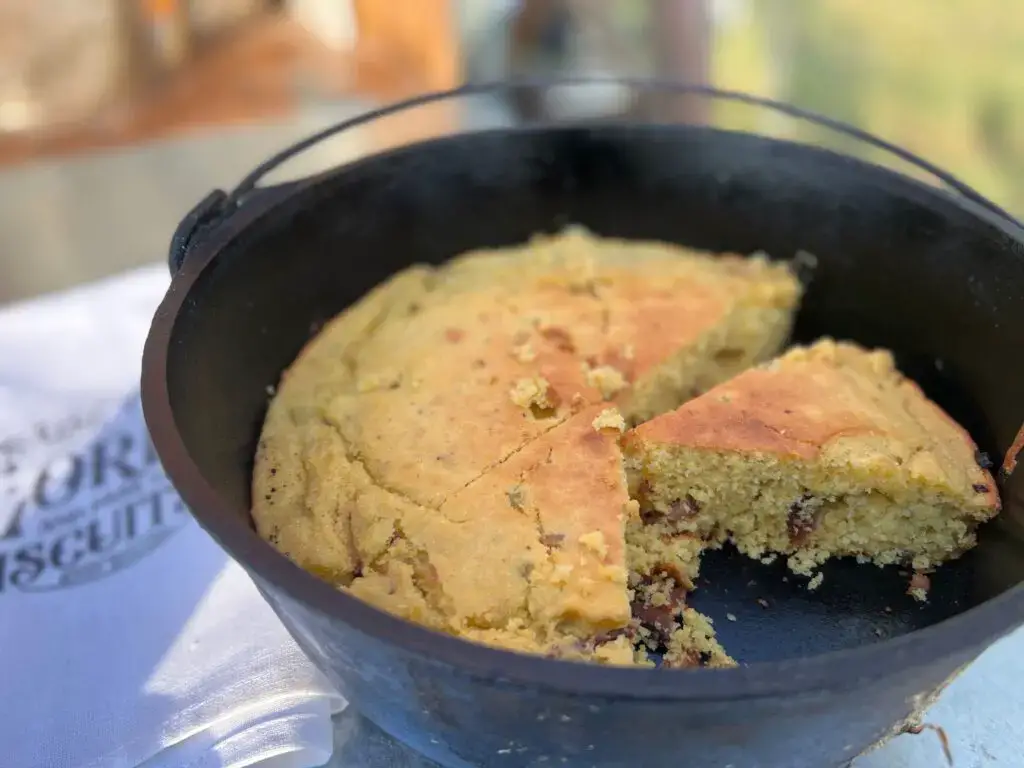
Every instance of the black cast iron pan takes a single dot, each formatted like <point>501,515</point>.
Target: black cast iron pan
<point>934,272</point>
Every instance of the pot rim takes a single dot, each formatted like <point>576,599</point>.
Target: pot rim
<point>967,633</point>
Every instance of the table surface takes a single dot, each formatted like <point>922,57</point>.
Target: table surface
<point>64,222</point>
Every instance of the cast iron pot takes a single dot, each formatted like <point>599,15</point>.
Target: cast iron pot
<point>934,272</point>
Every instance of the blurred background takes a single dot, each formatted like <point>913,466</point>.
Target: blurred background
<point>117,115</point>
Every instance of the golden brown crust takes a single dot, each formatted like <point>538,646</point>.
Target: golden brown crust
<point>834,402</point>
<point>434,449</point>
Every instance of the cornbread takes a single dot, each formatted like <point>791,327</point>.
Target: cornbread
<point>531,447</point>
<point>827,451</point>
<point>447,449</point>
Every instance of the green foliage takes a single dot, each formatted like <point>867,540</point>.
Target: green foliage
<point>943,78</point>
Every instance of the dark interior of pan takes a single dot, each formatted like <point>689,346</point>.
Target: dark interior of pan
<point>900,264</point>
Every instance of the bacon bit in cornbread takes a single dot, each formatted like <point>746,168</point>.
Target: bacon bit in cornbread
<point>560,338</point>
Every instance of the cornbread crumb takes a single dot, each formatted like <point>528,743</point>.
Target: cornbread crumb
<point>693,644</point>
<point>919,587</point>
<point>533,393</point>
<point>631,509</point>
<point>524,353</point>
<point>610,419</point>
<point>595,541</point>
<point>607,379</point>
<point>816,581</point>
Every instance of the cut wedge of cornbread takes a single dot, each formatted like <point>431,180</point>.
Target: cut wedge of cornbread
<point>827,451</point>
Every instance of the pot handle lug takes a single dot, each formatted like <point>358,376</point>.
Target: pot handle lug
<point>215,211</point>
<point>209,211</point>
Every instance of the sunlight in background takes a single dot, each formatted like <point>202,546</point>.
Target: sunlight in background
<point>127,111</point>
<point>940,79</point>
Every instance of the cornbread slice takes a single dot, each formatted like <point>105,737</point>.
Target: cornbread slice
<point>827,451</point>
<point>447,448</point>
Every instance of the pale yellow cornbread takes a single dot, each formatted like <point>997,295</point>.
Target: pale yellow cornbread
<point>447,449</point>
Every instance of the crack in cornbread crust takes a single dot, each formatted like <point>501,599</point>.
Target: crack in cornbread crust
<point>388,457</point>
<point>826,451</point>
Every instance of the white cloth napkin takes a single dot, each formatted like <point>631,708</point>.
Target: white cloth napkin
<point>126,636</point>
